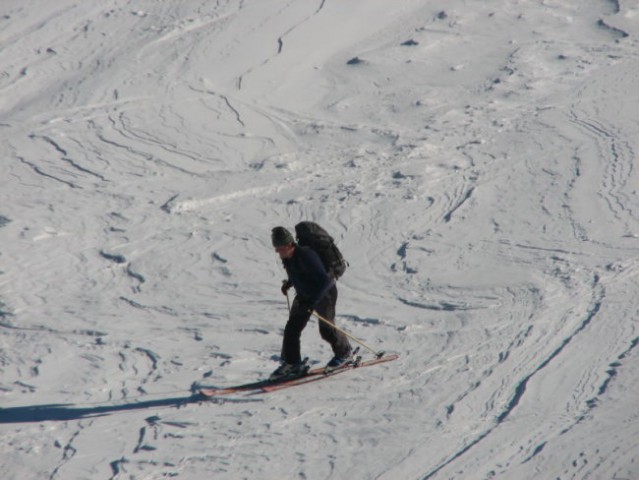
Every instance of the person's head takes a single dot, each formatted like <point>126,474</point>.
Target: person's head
<point>283,242</point>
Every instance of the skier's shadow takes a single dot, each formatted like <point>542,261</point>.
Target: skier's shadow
<point>65,412</point>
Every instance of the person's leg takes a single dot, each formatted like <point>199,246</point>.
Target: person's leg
<point>338,341</point>
<point>297,320</point>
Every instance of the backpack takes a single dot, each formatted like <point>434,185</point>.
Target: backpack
<point>311,235</point>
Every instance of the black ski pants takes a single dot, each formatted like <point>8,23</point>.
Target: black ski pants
<point>297,320</point>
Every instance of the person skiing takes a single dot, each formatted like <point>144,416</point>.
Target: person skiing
<point>315,290</point>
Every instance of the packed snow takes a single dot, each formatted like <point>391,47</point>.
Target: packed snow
<point>474,159</point>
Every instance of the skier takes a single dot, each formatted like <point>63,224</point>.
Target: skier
<point>315,290</point>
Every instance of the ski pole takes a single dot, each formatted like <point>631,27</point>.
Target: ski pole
<point>352,337</point>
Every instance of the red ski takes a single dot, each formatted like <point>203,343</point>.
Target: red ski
<point>313,375</point>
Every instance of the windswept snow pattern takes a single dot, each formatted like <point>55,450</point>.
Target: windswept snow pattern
<point>475,161</point>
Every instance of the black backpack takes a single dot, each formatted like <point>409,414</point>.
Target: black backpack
<point>310,234</point>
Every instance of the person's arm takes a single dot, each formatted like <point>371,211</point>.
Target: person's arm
<point>321,278</point>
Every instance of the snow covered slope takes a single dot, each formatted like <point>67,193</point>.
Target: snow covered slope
<point>476,161</point>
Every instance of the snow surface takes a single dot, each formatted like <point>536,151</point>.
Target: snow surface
<point>475,159</point>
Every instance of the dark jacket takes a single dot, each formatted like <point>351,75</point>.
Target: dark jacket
<point>307,274</point>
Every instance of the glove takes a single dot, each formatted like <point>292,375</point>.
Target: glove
<point>310,308</point>
<point>286,285</point>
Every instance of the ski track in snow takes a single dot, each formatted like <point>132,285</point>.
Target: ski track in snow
<point>476,165</point>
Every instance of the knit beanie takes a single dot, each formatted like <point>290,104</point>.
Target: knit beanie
<point>280,237</point>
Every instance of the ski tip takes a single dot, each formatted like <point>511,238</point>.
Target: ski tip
<point>386,356</point>
<point>207,392</point>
